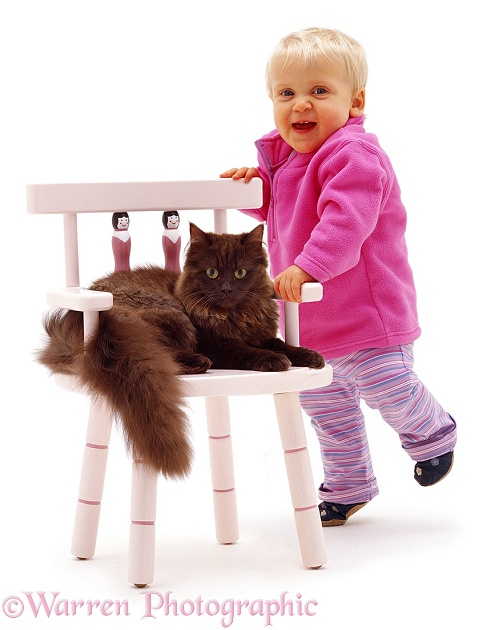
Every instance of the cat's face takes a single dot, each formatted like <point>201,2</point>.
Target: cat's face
<point>223,272</point>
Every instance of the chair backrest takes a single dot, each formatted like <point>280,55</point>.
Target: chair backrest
<point>70,200</point>
<point>219,195</point>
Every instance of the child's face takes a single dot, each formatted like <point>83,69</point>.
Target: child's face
<point>311,102</point>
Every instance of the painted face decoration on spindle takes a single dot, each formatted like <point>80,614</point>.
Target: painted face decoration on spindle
<point>120,221</point>
<point>123,223</point>
<point>171,220</point>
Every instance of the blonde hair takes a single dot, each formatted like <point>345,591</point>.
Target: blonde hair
<point>313,43</point>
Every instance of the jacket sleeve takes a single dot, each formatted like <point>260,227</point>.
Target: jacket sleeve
<point>354,183</point>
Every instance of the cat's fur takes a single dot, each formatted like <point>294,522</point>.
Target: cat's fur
<point>163,324</point>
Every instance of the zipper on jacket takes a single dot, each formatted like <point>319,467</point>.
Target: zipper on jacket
<point>272,234</point>
<point>272,170</point>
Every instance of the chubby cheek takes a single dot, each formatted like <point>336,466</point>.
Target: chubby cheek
<point>280,120</point>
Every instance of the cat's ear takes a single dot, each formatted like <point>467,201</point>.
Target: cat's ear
<point>256,235</point>
<point>196,234</point>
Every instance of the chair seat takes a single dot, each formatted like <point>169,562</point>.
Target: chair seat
<point>247,383</point>
<point>237,382</point>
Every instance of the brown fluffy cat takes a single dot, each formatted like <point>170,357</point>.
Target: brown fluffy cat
<point>218,312</point>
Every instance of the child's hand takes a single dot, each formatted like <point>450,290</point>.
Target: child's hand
<point>244,173</point>
<point>288,283</point>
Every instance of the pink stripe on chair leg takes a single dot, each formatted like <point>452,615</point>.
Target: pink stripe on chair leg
<point>227,490</point>
<point>296,450</point>
<point>89,502</point>
<point>303,509</point>
<point>102,446</point>
<point>143,522</point>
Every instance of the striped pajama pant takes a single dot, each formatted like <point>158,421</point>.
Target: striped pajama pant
<point>385,380</point>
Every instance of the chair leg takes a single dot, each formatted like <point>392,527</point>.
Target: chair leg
<point>92,480</point>
<point>300,477</point>
<point>142,541</point>
<point>222,472</point>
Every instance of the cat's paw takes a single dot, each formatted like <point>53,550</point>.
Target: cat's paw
<point>304,357</point>
<point>191,363</point>
<point>272,362</point>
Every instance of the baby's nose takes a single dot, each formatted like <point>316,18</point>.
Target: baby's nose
<point>302,105</point>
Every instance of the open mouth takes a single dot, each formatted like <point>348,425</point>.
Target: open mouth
<point>304,125</point>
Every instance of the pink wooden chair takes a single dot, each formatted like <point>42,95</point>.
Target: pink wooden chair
<point>216,386</point>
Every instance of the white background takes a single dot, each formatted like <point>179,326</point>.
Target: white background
<point>148,90</point>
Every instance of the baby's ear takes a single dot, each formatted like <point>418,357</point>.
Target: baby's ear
<point>357,105</point>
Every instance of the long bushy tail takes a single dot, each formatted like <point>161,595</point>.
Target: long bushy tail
<point>137,376</point>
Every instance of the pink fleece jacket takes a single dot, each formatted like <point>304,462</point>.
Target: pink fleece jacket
<point>337,214</point>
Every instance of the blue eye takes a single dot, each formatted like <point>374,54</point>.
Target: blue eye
<point>320,90</point>
<point>287,93</point>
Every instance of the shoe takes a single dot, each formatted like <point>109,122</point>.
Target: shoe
<point>433,470</point>
<point>333,514</point>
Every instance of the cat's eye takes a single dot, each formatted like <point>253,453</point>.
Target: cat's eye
<point>212,273</point>
<point>240,273</point>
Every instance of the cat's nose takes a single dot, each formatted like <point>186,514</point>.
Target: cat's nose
<point>226,287</point>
